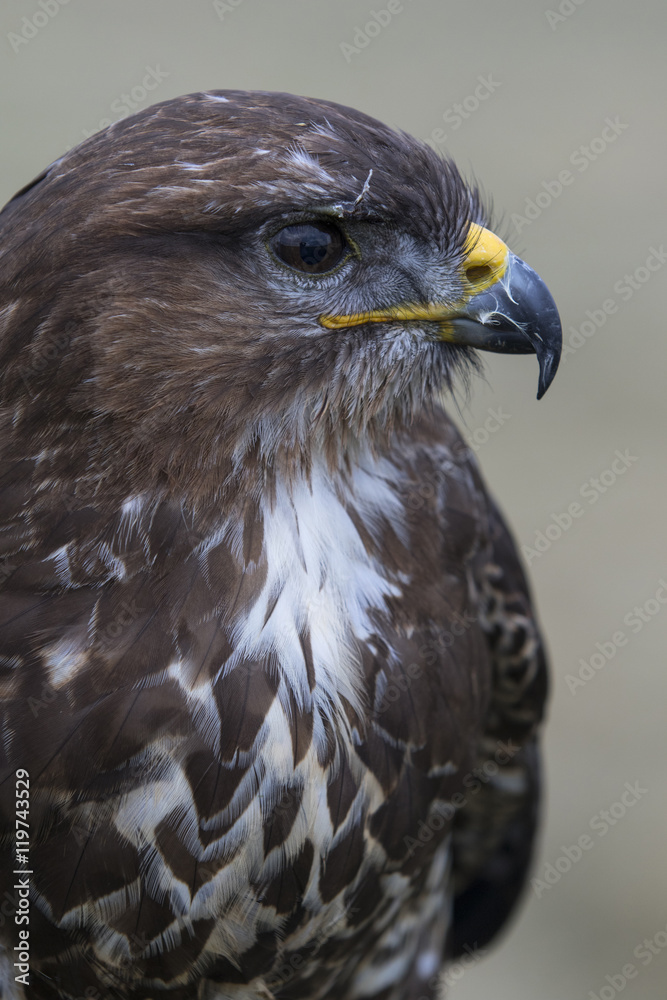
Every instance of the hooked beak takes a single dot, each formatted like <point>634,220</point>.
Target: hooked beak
<point>505,308</point>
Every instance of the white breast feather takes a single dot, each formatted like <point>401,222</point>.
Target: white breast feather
<point>327,581</point>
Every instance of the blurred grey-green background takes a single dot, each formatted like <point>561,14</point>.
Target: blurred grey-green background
<point>560,113</point>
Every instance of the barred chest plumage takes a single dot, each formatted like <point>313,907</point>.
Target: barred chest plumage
<point>256,790</point>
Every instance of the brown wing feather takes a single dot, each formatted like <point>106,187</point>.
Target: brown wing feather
<point>494,832</point>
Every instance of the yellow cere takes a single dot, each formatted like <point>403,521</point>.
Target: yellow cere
<point>485,263</point>
<point>489,254</point>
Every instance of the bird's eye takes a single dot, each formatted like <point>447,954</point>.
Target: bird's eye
<point>311,247</point>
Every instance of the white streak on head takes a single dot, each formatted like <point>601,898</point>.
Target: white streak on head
<point>302,158</point>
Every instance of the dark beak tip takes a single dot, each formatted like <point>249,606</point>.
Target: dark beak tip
<point>549,362</point>
<point>532,305</point>
<point>548,350</point>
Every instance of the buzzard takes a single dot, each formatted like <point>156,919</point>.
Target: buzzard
<point>271,680</point>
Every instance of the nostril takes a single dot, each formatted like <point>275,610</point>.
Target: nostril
<point>478,273</point>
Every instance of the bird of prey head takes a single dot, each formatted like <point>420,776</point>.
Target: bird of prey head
<point>269,671</point>
<point>244,275</point>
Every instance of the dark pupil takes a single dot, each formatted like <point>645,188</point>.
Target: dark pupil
<point>310,247</point>
<point>313,252</point>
